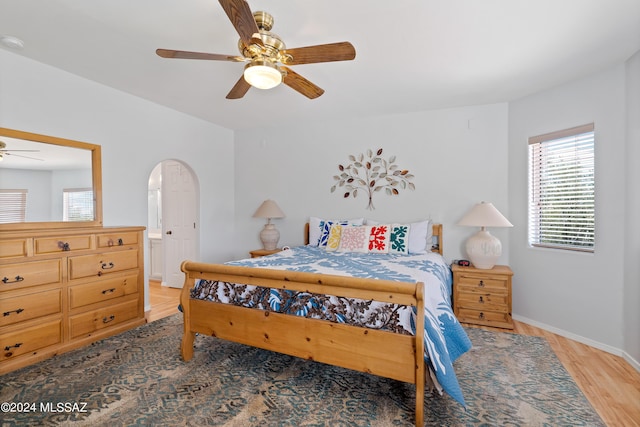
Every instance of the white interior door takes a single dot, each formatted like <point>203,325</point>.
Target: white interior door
<point>179,233</point>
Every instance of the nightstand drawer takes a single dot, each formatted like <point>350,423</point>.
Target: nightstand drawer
<point>488,284</point>
<point>480,317</point>
<point>483,301</point>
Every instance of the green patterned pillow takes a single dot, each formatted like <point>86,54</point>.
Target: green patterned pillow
<point>399,239</point>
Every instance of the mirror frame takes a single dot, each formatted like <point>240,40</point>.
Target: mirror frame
<point>96,173</point>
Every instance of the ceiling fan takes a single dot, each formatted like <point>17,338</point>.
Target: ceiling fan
<point>6,152</point>
<point>266,54</point>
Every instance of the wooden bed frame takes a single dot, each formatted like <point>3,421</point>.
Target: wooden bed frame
<point>381,353</point>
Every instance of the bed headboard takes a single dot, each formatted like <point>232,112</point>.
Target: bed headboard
<point>437,233</point>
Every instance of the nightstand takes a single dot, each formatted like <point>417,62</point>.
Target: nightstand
<point>264,252</point>
<point>483,297</point>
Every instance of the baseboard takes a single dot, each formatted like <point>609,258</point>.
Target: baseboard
<point>631,360</point>
<point>609,349</point>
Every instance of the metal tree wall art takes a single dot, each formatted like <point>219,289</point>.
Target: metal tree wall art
<point>371,175</point>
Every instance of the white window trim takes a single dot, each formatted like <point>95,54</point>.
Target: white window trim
<point>536,236</point>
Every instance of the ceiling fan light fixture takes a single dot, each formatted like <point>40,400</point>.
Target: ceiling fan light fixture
<point>262,74</point>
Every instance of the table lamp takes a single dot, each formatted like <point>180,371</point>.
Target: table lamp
<point>269,234</point>
<point>483,249</point>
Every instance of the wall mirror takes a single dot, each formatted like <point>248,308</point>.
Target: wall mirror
<point>50,182</point>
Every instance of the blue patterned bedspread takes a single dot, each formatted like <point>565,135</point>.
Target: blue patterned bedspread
<point>445,339</point>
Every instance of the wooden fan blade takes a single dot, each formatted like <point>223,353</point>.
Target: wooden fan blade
<point>239,89</point>
<point>297,82</point>
<point>182,54</point>
<point>343,51</point>
<point>241,17</point>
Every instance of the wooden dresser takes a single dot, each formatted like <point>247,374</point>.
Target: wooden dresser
<point>483,297</point>
<point>63,288</point>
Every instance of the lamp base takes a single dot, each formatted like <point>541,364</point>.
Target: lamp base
<point>483,250</point>
<point>269,237</point>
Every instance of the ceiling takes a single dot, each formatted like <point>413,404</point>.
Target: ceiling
<point>412,55</point>
<point>23,154</point>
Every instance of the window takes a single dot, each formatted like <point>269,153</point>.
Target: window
<point>78,204</point>
<point>13,205</point>
<point>561,189</point>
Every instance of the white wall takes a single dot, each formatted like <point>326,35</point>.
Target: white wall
<point>576,294</point>
<point>632,225</point>
<point>135,135</point>
<point>458,157</point>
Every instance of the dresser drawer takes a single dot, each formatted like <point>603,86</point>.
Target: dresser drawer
<point>28,340</point>
<point>16,309</point>
<point>481,317</point>
<point>13,276</point>
<point>104,290</point>
<point>483,301</point>
<point>487,284</point>
<point>117,239</point>
<point>100,264</point>
<point>14,248</point>
<point>87,323</point>
<point>47,245</point>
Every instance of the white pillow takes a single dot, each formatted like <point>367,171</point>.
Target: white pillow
<point>420,237</point>
<point>316,226</point>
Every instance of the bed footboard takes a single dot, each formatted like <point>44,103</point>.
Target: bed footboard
<point>377,352</point>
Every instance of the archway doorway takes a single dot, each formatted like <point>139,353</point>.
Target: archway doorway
<point>173,221</point>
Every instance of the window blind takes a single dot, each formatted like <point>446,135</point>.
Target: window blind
<point>78,204</point>
<point>13,206</point>
<point>561,189</point>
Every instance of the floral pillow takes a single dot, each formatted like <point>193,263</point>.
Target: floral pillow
<point>333,241</point>
<point>318,226</point>
<point>379,238</point>
<point>354,239</point>
<point>399,239</point>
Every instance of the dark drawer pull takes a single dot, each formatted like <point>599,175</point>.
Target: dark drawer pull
<point>18,311</point>
<point>481,299</point>
<point>108,291</point>
<point>108,319</point>
<point>64,246</point>
<point>16,345</point>
<point>18,279</point>
<point>120,242</point>
<point>107,266</point>
<point>481,315</point>
<point>481,284</point>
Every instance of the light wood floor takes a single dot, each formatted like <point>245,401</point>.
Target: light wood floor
<point>610,383</point>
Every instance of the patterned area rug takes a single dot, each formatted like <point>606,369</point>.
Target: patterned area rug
<point>138,378</point>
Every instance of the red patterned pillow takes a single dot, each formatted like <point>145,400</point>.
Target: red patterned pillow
<point>379,238</point>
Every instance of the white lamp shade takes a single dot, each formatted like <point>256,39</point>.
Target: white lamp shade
<point>484,214</point>
<point>482,248</point>
<point>269,209</point>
